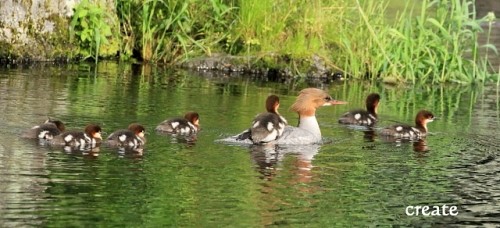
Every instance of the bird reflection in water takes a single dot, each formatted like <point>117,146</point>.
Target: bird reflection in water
<point>369,135</point>
<point>269,156</point>
<point>419,145</point>
<point>266,158</point>
<point>86,151</point>
<point>130,152</point>
<point>189,140</point>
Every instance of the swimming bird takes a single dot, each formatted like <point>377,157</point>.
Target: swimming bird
<point>47,130</point>
<point>362,117</point>
<point>308,131</point>
<point>404,131</point>
<point>131,137</point>
<point>268,126</point>
<point>189,125</point>
<point>90,137</point>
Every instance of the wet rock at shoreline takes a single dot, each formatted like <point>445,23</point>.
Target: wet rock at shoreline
<point>317,69</point>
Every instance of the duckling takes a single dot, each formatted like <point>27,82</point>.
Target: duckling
<point>47,130</point>
<point>189,125</point>
<point>132,137</point>
<point>362,117</point>
<point>90,137</point>
<point>408,132</point>
<point>267,126</point>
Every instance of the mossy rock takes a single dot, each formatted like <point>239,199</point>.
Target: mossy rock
<point>39,31</point>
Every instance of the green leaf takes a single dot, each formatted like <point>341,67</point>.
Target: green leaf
<point>474,26</point>
<point>491,47</point>
<point>74,22</point>
<point>439,26</point>
<point>84,24</point>
<point>106,30</point>
<point>104,40</point>
<point>82,13</point>
<point>396,33</point>
<point>83,36</point>
<point>95,11</point>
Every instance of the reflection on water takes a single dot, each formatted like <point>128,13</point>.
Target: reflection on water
<point>420,146</point>
<point>269,156</point>
<point>354,179</point>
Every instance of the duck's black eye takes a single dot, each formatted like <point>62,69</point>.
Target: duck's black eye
<point>328,98</point>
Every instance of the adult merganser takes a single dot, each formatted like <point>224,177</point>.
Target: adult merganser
<point>91,137</point>
<point>268,126</point>
<point>366,117</point>
<point>308,131</point>
<point>188,125</point>
<point>47,130</point>
<point>132,137</point>
<point>408,132</point>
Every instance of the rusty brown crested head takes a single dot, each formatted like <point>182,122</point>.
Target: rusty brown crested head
<point>310,99</point>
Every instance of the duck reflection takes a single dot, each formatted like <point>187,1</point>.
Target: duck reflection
<point>189,140</point>
<point>369,135</point>
<point>130,152</point>
<point>369,132</point>
<point>303,154</point>
<point>266,158</point>
<point>269,156</point>
<point>85,151</point>
<point>419,145</point>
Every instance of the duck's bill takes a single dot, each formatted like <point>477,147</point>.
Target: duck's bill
<point>336,102</point>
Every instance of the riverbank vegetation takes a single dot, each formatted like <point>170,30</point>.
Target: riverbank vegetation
<point>426,41</point>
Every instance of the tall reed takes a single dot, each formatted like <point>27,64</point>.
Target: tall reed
<point>439,44</point>
<point>432,41</point>
<point>169,31</point>
<point>295,28</point>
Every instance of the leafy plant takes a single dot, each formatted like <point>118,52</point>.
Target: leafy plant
<point>169,31</point>
<point>438,43</point>
<point>90,28</point>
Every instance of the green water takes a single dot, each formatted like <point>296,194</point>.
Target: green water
<point>355,179</point>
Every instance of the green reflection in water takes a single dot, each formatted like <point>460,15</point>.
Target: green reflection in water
<point>354,179</point>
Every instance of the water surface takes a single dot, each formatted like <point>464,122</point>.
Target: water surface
<point>354,179</point>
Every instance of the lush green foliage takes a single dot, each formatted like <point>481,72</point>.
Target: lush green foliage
<point>294,29</point>
<point>90,28</point>
<point>439,44</point>
<point>168,31</point>
<point>427,41</point>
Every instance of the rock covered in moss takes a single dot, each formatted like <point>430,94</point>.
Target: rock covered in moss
<point>37,30</point>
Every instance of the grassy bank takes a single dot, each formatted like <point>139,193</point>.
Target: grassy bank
<point>426,41</point>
